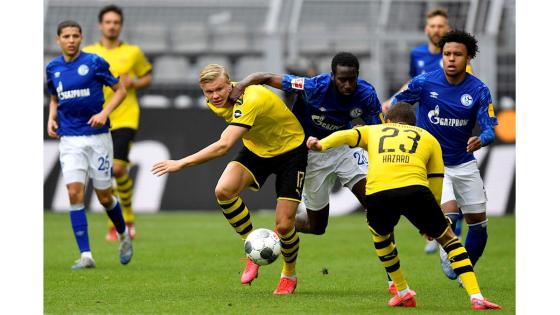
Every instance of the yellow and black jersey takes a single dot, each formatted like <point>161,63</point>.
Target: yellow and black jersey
<point>123,59</point>
<point>399,155</point>
<point>273,128</point>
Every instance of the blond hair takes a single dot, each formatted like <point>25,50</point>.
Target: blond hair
<point>437,12</point>
<point>211,72</point>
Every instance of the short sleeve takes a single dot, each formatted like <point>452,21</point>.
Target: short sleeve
<point>141,65</point>
<point>295,84</point>
<point>102,72</point>
<point>50,83</point>
<point>245,110</point>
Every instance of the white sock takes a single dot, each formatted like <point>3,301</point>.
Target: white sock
<point>477,296</point>
<point>404,292</point>
<point>86,254</point>
<point>123,234</point>
<point>390,282</point>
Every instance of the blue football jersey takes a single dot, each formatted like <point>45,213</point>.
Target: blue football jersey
<point>449,112</point>
<point>321,110</point>
<point>422,60</point>
<point>78,87</point>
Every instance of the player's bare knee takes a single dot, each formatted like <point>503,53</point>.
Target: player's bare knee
<point>75,194</point>
<point>105,198</point>
<point>119,170</point>
<point>284,226</point>
<point>473,218</point>
<point>223,193</point>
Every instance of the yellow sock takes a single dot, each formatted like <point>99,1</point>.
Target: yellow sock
<point>387,252</point>
<point>290,248</point>
<point>125,189</point>
<point>462,265</point>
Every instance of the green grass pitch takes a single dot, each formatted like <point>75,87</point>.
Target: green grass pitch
<point>189,263</point>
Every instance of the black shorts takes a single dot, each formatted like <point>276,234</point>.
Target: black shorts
<point>416,203</point>
<point>289,168</point>
<point>122,141</point>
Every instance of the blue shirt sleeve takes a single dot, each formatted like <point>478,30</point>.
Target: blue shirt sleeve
<point>295,84</point>
<point>102,73</point>
<point>372,114</point>
<point>412,93</point>
<point>50,83</point>
<point>486,118</point>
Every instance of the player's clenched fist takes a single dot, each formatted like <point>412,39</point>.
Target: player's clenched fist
<point>313,144</point>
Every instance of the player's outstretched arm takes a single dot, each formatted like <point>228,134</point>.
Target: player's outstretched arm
<point>385,106</point>
<point>52,124</point>
<point>98,120</point>
<point>219,148</point>
<point>270,79</point>
<point>350,137</point>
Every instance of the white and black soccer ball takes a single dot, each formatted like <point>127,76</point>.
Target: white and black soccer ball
<point>262,246</point>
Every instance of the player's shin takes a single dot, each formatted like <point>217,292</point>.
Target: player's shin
<point>115,214</point>
<point>461,265</point>
<point>237,215</point>
<point>475,242</point>
<point>290,248</point>
<point>79,223</point>
<point>387,252</point>
<point>125,190</point>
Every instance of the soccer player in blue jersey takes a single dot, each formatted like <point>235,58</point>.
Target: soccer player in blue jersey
<point>75,80</point>
<point>450,102</point>
<point>324,104</point>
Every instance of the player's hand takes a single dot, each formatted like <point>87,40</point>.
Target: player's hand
<point>236,92</point>
<point>313,144</point>
<point>52,126</point>
<point>98,120</point>
<point>474,144</point>
<point>164,167</point>
<point>127,81</point>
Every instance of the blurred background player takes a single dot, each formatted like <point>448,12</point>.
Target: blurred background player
<point>77,116</point>
<point>449,99</point>
<point>131,65</point>
<point>273,143</point>
<point>405,178</point>
<point>426,58</point>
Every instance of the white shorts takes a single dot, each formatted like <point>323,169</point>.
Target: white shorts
<point>83,156</point>
<point>347,164</point>
<point>463,183</point>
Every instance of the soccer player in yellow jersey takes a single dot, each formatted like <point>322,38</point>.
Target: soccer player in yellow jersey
<point>131,65</point>
<point>273,143</point>
<point>405,175</point>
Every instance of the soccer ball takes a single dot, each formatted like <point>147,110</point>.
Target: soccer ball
<point>262,246</point>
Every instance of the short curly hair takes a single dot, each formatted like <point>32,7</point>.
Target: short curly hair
<point>462,37</point>
<point>345,59</point>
